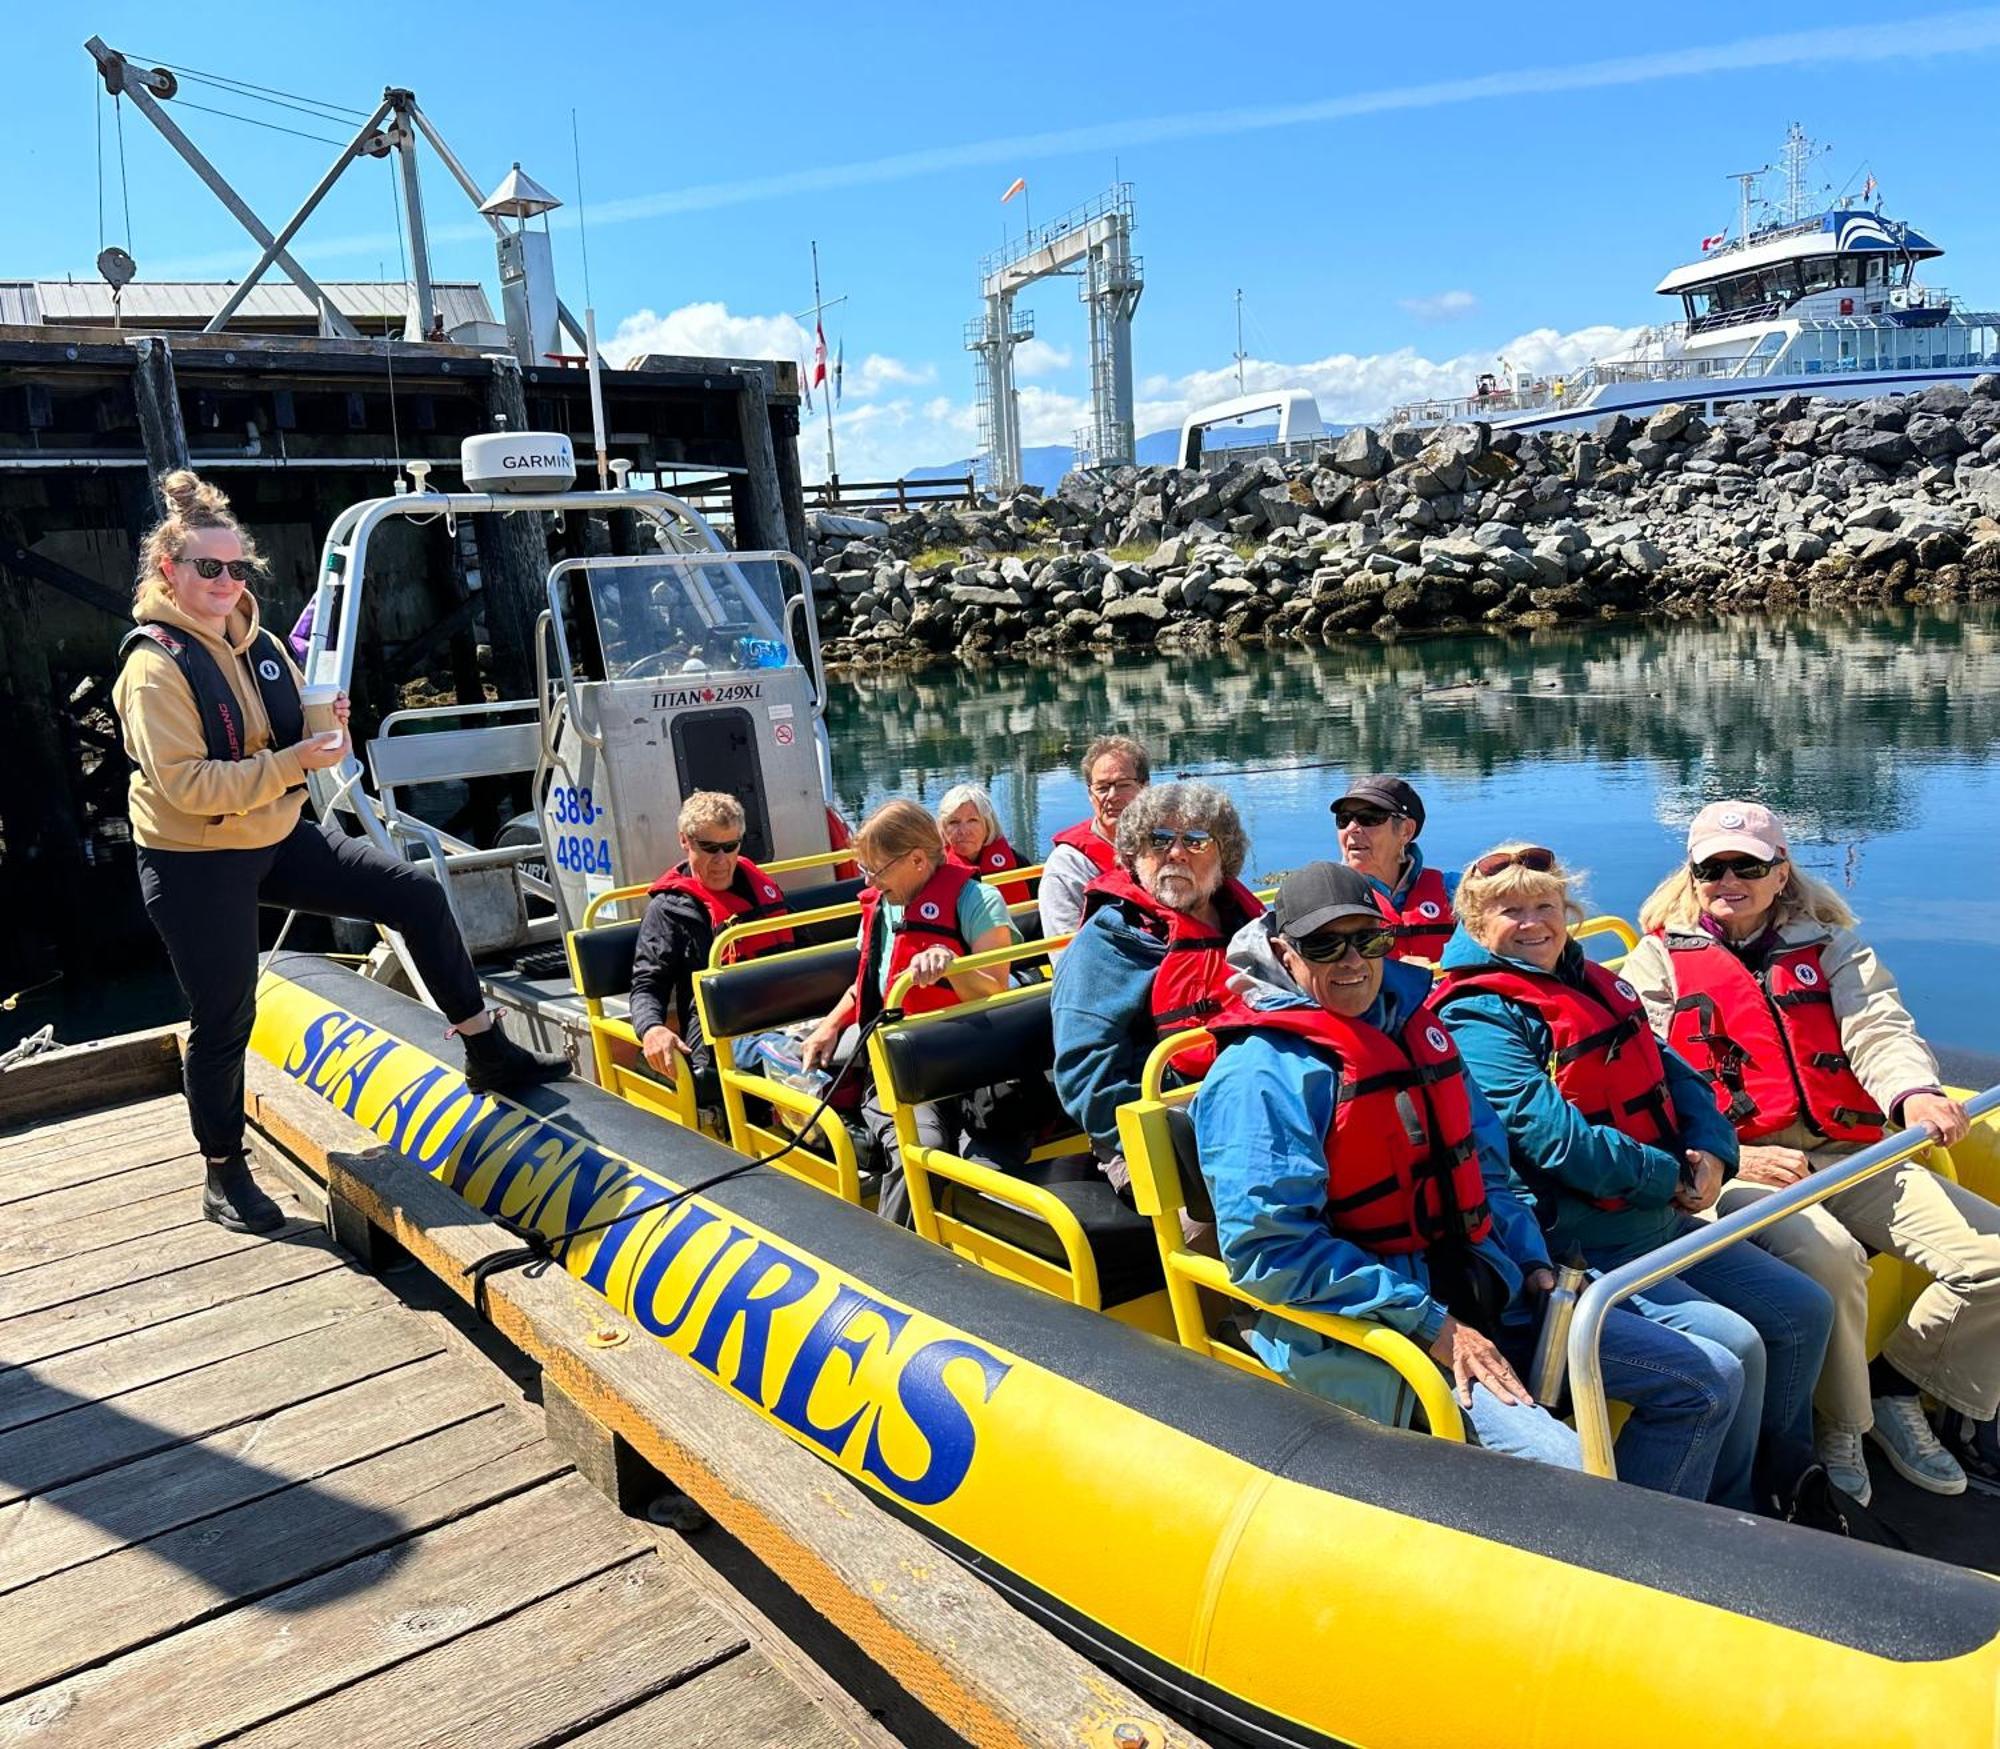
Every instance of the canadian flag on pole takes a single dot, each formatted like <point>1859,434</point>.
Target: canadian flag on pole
<point>1715,242</point>
<point>1017,186</point>
<point>819,352</point>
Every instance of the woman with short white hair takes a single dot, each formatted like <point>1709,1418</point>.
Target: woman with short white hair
<point>973,839</point>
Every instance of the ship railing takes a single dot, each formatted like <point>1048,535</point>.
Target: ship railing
<point>1586,1331</point>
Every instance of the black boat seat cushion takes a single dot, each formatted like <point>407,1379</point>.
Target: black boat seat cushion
<point>1121,1239</point>
<point>958,1053</point>
<point>604,959</point>
<point>819,898</point>
<point>763,994</point>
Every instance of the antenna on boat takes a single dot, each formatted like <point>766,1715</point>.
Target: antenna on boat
<point>1240,354</point>
<point>1799,154</point>
<point>1746,181</point>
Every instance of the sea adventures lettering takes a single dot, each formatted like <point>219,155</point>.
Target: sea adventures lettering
<point>737,1305</point>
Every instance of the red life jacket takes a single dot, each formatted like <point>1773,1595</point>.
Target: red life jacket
<point>1402,1172</point>
<point>751,894</point>
<point>1084,836</point>
<point>839,837</point>
<point>1607,1062</point>
<point>930,919</point>
<point>995,856</point>
<point>1192,984</point>
<point>1768,1042</point>
<point>1424,921</point>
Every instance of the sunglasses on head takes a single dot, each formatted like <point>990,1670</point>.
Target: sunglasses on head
<point>1196,841</point>
<point>1749,868</point>
<point>241,569</point>
<point>1371,817</point>
<point>1534,858</point>
<point>728,847</point>
<point>1329,946</point>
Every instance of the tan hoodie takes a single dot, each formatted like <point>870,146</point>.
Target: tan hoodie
<point>180,798</point>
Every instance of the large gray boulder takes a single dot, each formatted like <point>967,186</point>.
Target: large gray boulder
<point>1360,455</point>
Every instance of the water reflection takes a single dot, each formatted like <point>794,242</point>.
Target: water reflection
<point>1830,718</point>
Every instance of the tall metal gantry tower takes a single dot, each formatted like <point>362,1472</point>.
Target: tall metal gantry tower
<point>1092,244</point>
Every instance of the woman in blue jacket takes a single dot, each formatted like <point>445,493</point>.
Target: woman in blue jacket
<point>1623,1146</point>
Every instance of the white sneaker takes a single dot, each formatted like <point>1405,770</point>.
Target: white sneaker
<point>1846,1464</point>
<point>1903,1431</point>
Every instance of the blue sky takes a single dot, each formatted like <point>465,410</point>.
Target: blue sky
<point>1400,196</point>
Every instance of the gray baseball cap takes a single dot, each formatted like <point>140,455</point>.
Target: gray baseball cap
<point>1310,898</point>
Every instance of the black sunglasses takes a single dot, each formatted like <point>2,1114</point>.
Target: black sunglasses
<point>1346,817</point>
<point>1749,868</point>
<point>1327,947</point>
<point>728,847</point>
<point>1535,859</point>
<point>241,569</point>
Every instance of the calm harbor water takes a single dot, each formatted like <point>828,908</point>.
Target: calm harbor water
<point>1875,734</point>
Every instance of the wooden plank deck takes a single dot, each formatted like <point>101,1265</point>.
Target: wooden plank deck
<point>249,1493</point>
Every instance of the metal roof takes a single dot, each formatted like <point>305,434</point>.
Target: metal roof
<point>1840,232</point>
<point>274,299</point>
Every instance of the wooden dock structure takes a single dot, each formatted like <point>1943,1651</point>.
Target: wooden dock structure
<point>254,1491</point>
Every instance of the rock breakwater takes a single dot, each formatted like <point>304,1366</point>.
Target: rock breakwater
<point>1773,503</point>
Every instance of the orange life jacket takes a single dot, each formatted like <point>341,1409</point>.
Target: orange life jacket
<point>1768,1043</point>
<point>929,920</point>
<point>1607,1063</point>
<point>1423,923</point>
<point>1192,984</point>
<point>750,895</point>
<point>994,857</point>
<point>1402,1172</point>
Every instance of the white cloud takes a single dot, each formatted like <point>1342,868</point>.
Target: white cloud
<point>1441,306</point>
<point>1040,358</point>
<point>708,331</point>
<point>877,373</point>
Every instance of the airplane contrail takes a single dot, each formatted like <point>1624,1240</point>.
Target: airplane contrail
<point>1957,33</point>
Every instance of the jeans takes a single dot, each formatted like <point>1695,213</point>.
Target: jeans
<point>204,904</point>
<point>1775,1323</point>
<point>1683,1395</point>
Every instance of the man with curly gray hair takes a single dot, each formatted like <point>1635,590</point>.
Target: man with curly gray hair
<point>1152,955</point>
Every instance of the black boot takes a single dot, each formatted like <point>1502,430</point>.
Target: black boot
<point>494,1063</point>
<point>233,1200</point>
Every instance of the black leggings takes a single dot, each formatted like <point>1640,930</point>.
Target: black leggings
<point>204,904</point>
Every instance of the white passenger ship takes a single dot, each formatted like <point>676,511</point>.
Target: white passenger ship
<point>1822,302</point>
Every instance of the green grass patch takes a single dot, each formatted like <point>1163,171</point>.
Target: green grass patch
<point>1134,552</point>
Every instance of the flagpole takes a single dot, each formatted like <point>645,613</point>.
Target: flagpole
<point>826,396</point>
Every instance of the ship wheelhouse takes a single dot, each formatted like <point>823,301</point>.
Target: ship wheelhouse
<point>1844,262</point>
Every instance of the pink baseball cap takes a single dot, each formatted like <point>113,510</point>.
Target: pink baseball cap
<point>1748,827</point>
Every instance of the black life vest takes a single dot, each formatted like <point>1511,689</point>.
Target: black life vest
<point>223,728</point>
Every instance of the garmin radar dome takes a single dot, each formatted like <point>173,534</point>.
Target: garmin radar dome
<point>518,461</point>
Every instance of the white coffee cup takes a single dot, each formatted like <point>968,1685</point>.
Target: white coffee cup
<point>319,703</point>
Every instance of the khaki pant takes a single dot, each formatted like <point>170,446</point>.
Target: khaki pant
<point>1949,1343</point>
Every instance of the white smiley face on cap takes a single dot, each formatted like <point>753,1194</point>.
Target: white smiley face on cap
<point>1732,820</point>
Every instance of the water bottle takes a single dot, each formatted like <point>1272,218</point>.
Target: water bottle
<point>1552,1350</point>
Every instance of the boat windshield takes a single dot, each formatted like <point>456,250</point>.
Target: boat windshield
<point>699,614</point>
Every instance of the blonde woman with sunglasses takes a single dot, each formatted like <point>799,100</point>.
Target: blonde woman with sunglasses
<point>211,716</point>
<point>1621,1145</point>
<point>1754,971</point>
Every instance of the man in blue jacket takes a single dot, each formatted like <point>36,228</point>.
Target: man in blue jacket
<point>1303,1224</point>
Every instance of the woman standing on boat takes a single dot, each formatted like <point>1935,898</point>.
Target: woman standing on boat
<point>1622,1146</point>
<point>1752,970</point>
<point>209,706</point>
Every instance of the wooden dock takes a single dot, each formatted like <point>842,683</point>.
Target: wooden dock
<point>251,1492</point>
